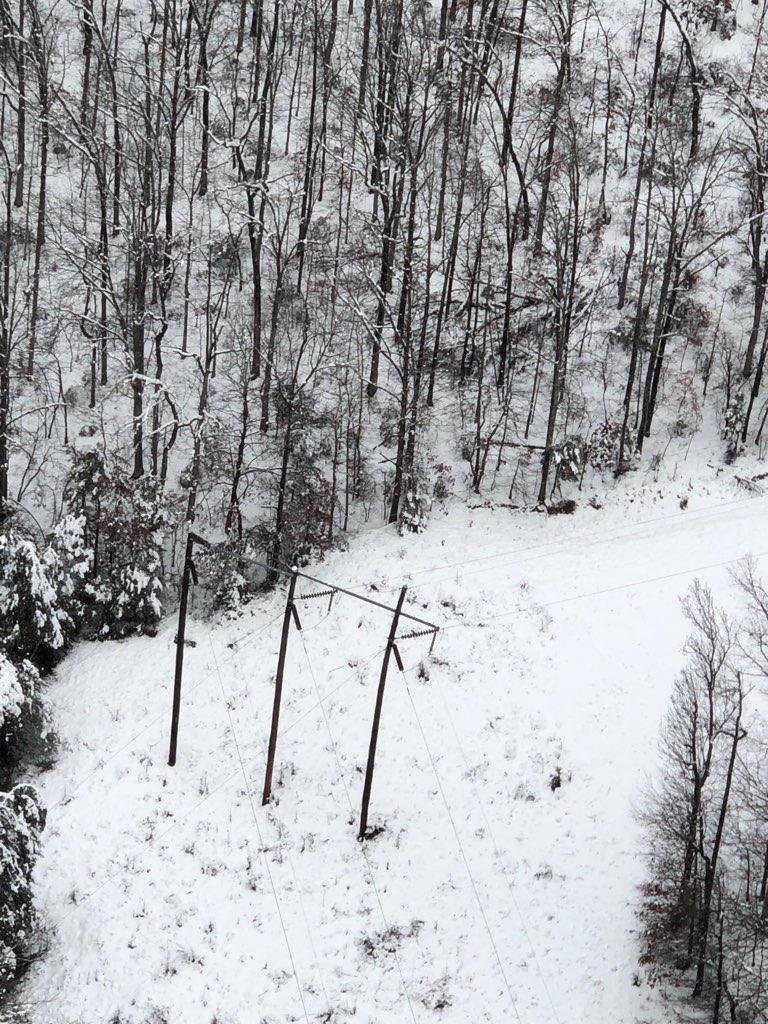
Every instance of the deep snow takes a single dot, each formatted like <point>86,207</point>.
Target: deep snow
<point>490,896</point>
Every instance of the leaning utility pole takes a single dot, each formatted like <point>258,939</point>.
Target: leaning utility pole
<point>188,573</point>
<point>290,613</point>
<point>391,646</point>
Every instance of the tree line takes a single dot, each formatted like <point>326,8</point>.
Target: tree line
<point>705,907</point>
<point>277,254</point>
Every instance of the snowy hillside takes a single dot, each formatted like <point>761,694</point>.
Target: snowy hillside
<point>504,883</point>
<point>467,296</point>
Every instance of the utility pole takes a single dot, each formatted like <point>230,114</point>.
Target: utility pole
<point>329,590</point>
<point>189,572</point>
<point>391,646</point>
<point>290,613</point>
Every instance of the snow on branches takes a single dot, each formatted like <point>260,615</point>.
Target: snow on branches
<point>21,821</point>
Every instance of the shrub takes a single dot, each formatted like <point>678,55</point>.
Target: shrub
<point>604,446</point>
<point>32,621</point>
<point>570,457</point>
<point>43,594</point>
<point>302,494</point>
<point>733,424</point>
<point>303,532</point>
<point>445,482</point>
<point>123,523</point>
<point>415,505</point>
<point>228,576</point>
<point>21,821</point>
<point>24,734</point>
<point>308,509</point>
<point>566,507</point>
<point>69,562</point>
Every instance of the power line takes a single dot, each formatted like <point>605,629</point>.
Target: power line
<point>362,845</point>
<point>553,547</point>
<point>455,625</point>
<point>282,828</point>
<point>329,588</point>
<point>155,840</point>
<point>320,703</point>
<point>479,802</point>
<point>461,848</point>
<point>262,847</point>
<point>247,638</point>
<point>146,728</point>
<point>606,590</point>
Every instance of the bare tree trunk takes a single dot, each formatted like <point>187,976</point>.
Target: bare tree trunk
<point>712,860</point>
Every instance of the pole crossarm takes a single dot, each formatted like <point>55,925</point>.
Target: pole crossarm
<point>329,589</point>
<point>368,600</point>
<point>197,539</point>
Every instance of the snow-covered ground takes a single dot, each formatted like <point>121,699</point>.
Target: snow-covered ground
<point>490,895</point>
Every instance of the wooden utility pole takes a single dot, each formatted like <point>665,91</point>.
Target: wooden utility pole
<point>330,590</point>
<point>391,646</point>
<point>188,573</point>
<point>290,612</point>
<point>181,630</point>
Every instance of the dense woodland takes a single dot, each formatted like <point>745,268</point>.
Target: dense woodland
<point>306,262</point>
<point>276,267</point>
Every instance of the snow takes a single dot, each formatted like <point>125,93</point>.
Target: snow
<point>491,895</point>
<point>11,693</point>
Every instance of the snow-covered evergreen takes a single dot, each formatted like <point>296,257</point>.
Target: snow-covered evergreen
<point>21,822</point>
<point>31,619</point>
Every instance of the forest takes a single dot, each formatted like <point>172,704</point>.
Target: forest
<point>301,263</point>
<point>281,269</point>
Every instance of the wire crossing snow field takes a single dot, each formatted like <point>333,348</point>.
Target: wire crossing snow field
<point>477,849</point>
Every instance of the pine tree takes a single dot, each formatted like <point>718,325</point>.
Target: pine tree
<point>29,610</point>
<point>69,561</point>
<point>24,731</point>
<point>122,521</point>
<point>22,819</point>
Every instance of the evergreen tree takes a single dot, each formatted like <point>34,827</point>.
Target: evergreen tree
<point>122,520</point>
<point>29,610</point>
<point>69,562</point>
<point>24,731</point>
<point>22,819</point>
